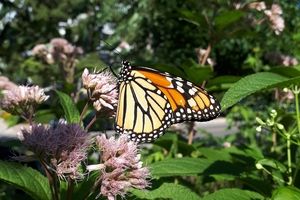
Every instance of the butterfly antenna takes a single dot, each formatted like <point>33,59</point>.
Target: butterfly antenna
<point>116,51</point>
<point>112,71</point>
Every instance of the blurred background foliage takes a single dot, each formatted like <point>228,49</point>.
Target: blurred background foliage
<point>167,35</point>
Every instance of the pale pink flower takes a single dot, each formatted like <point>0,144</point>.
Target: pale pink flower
<point>101,88</point>
<point>62,49</point>
<point>276,9</point>
<point>61,146</point>
<point>42,51</point>
<point>237,5</point>
<point>201,53</point>
<point>39,49</point>
<point>259,5</point>
<point>23,100</point>
<point>121,167</point>
<point>275,18</point>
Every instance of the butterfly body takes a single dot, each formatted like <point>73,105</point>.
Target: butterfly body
<point>150,101</point>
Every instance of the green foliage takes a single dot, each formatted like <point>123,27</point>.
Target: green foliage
<point>179,166</point>
<point>257,161</point>
<point>71,112</point>
<point>234,194</point>
<point>255,83</point>
<point>290,193</point>
<point>167,191</point>
<point>25,178</point>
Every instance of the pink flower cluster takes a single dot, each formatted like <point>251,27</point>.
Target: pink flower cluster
<point>61,146</point>
<point>274,15</point>
<point>22,100</point>
<point>57,50</point>
<point>101,89</point>
<point>122,168</point>
<point>275,18</point>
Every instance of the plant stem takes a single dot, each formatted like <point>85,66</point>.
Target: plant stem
<point>288,144</point>
<point>91,123</point>
<point>52,181</point>
<point>83,112</point>
<point>297,107</point>
<point>70,189</point>
<point>276,177</point>
<point>296,92</point>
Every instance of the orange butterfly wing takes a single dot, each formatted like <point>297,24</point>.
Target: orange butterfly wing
<point>150,101</point>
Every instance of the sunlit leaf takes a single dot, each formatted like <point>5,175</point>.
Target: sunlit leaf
<point>179,167</point>
<point>254,83</point>
<point>167,191</point>
<point>70,110</point>
<point>233,194</point>
<point>284,193</point>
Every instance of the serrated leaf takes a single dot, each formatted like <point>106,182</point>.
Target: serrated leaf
<point>254,83</point>
<point>283,193</point>
<point>179,167</point>
<point>233,194</point>
<point>71,113</point>
<point>167,191</point>
<point>25,178</point>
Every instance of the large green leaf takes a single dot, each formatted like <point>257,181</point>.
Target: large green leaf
<point>71,113</point>
<point>167,191</point>
<point>233,194</point>
<point>254,83</point>
<point>179,167</point>
<point>284,193</point>
<point>25,178</point>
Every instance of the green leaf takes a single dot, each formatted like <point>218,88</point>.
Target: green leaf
<point>25,178</point>
<point>284,193</point>
<point>179,167</point>
<point>71,113</point>
<point>167,191</point>
<point>227,18</point>
<point>233,194</point>
<point>254,83</point>
<point>287,71</point>
<point>215,154</point>
<point>44,116</point>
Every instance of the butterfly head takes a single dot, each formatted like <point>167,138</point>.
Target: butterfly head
<point>125,71</point>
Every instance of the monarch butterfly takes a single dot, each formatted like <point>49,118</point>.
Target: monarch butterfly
<point>150,101</point>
